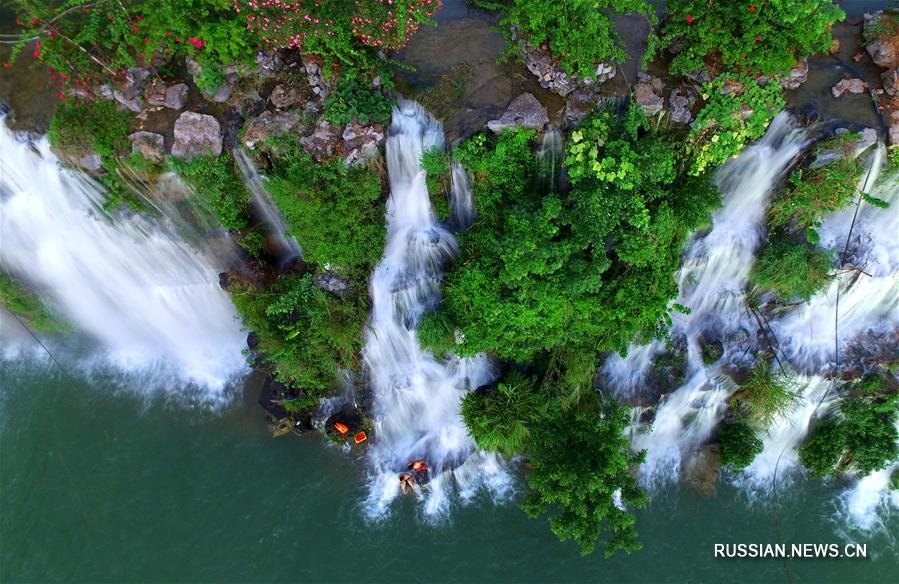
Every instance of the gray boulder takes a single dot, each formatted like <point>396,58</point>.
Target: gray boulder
<point>329,281</point>
<point>891,82</point>
<point>681,103</point>
<point>648,99</point>
<point>270,124</point>
<point>524,111</point>
<point>797,76</point>
<point>284,96</point>
<point>269,63</point>
<point>176,96</point>
<point>882,51</point>
<point>149,144</point>
<point>197,135</point>
<point>361,142</point>
<point>323,141</point>
<point>848,85</point>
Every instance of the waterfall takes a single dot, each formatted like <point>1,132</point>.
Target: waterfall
<point>549,161</point>
<point>868,299</point>
<point>153,305</point>
<point>461,200</point>
<point>711,283</point>
<point>286,248</point>
<point>416,398</point>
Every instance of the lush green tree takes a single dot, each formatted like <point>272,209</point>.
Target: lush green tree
<point>308,334</point>
<point>336,213</point>
<point>500,418</point>
<point>579,457</point>
<point>767,36</point>
<point>739,444</point>
<point>580,33</point>
<point>864,435</point>
<point>587,270</point>
<point>792,269</point>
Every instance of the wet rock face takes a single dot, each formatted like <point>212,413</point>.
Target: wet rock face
<point>796,77</point>
<point>197,135</point>
<point>361,142</point>
<point>148,144</point>
<point>883,51</point>
<point>645,95</point>
<point>703,469</point>
<point>848,85</point>
<point>321,144</point>
<point>270,124</point>
<point>524,111</point>
<point>329,281</point>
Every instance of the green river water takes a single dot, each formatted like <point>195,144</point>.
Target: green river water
<point>101,483</point>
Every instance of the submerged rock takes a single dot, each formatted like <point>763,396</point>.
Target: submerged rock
<point>796,77</point>
<point>197,135</point>
<point>148,144</point>
<point>524,111</point>
<point>703,469</point>
<point>848,85</point>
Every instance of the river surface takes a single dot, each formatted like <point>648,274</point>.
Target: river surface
<point>101,482</point>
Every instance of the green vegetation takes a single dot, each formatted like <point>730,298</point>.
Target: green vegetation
<point>587,271</point>
<point>580,33</point>
<point>579,457</point>
<point>862,438</point>
<point>766,395</point>
<point>739,443</point>
<point>436,164</point>
<point>337,214</point>
<point>767,37</point>
<point>436,333</point>
<point>354,100</point>
<point>23,302</point>
<point>218,185</point>
<point>737,111</point>
<point>307,333</point>
<point>79,126</point>
<point>812,193</point>
<point>93,42</point>
<point>792,269</point>
<point>500,419</point>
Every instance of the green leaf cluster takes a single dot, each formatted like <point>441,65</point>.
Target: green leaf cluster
<point>589,270</point>
<point>863,437</point>
<point>739,443</point>
<point>730,120</point>
<point>307,333</point>
<point>336,213</point>
<point>436,164</point>
<point>352,100</point>
<point>218,186</point>
<point>580,33</point>
<point>26,304</point>
<point>79,126</point>
<point>766,37</point>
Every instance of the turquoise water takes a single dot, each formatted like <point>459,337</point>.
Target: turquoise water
<point>101,483</point>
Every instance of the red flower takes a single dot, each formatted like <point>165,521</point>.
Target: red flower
<point>147,40</point>
<point>689,19</point>
<point>6,65</point>
<point>36,53</point>
<point>758,38</point>
<point>752,9</point>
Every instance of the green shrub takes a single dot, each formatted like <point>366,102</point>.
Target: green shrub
<point>88,43</point>
<point>579,457</point>
<point>500,419</point>
<point>792,270</point>
<point>79,126</point>
<point>307,333</point>
<point>436,333</point>
<point>585,271</point>
<point>23,302</point>
<point>580,33</point>
<point>767,394</point>
<point>739,444</point>
<point>865,434</point>
<point>337,214</point>
<point>729,121</point>
<point>354,100</point>
<point>813,193</point>
<point>765,36</point>
<point>436,164</point>
<point>217,183</point>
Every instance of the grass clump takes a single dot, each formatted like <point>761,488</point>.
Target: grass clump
<point>436,164</point>
<point>792,270</point>
<point>23,302</point>
<point>500,419</point>
<point>766,395</point>
<point>218,185</point>
<point>436,333</point>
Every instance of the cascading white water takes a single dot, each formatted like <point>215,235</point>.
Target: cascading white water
<point>711,283</point>
<point>862,300</point>
<point>288,249</point>
<point>461,200</point>
<point>416,398</point>
<point>154,305</point>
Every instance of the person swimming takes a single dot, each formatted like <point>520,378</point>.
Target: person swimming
<point>407,480</point>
